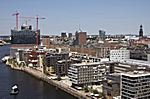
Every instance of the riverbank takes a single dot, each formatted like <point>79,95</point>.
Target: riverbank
<point>59,85</point>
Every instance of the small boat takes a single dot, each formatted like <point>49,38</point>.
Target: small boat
<point>14,90</point>
<point>5,58</point>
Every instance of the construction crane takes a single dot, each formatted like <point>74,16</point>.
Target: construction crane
<point>16,14</point>
<point>37,18</point>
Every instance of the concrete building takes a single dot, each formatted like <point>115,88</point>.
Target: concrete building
<point>49,62</point>
<point>102,51</point>
<point>88,73</point>
<point>117,55</point>
<point>51,59</point>
<point>62,67</point>
<point>127,65</point>
<point>135,85</point>
<point>24,36</point>
<point>111,87</point>
<point>80,38</point>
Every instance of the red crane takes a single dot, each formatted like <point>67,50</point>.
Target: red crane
<point>37,18</point>
<point>16,14</point>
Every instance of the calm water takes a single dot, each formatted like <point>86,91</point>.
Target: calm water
<point>30,87</point>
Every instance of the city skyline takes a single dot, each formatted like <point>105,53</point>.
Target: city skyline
<point>114,17</point>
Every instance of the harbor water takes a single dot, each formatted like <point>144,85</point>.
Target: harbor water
<point>29,86</point>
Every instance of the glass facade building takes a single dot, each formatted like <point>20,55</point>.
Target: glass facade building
<point>25,36</point>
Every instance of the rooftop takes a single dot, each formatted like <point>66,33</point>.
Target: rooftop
<point>136,73</point>
<point>135,62</point>
<point>87,64</point>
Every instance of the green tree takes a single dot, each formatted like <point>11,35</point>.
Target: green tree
<point>58,78</point>
<point>86,89</point>
<point>95,91</point>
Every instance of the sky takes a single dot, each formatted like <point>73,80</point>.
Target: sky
<point>112,16</point>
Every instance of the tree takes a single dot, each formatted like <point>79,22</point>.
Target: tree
<point>86,89</point>
<point>95,91</point>
<point>58,78</point>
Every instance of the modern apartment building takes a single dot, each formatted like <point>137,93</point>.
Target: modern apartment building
<point>111,87</point>
<point>88,73</point>
<point>117,55</point>
<point>135,85</point>
<point>52,58</point>
<point>62,67</point>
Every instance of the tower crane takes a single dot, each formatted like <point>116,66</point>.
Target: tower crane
<point>16,14</point>
<point>37,18</point>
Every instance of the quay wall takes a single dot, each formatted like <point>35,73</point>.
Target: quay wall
<point>38,74</point>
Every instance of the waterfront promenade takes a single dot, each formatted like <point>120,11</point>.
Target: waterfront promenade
<point>58,84</point>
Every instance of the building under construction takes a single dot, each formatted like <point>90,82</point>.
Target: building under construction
<point>24,36</point>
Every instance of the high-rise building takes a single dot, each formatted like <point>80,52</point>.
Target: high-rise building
<point>63,34</point>
<point>141,31</point>
<point>24,36</point>
<point>69,35</point>
<point>101,35</point>
<point>135,85</point>
<point>80,38</point>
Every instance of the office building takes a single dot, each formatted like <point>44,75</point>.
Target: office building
<point>101,35</point>
<point>63,35</point>
<point>135,85</point>
<point>24,36</point>
<point>80,38</point>
<point>69,35</point>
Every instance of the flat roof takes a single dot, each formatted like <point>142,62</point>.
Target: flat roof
<point>136,73</point>
<point>83,64</point>
<point>135,62</point>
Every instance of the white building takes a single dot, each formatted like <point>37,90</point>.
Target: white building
<point>135,85</point>
<point>117,55</point>
<point>88,73</point>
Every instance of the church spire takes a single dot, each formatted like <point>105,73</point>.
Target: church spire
<point>141,30</point>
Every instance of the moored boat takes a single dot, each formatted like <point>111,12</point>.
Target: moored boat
<point>14,90</point>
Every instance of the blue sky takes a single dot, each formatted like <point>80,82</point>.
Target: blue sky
<point>113,16</point>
